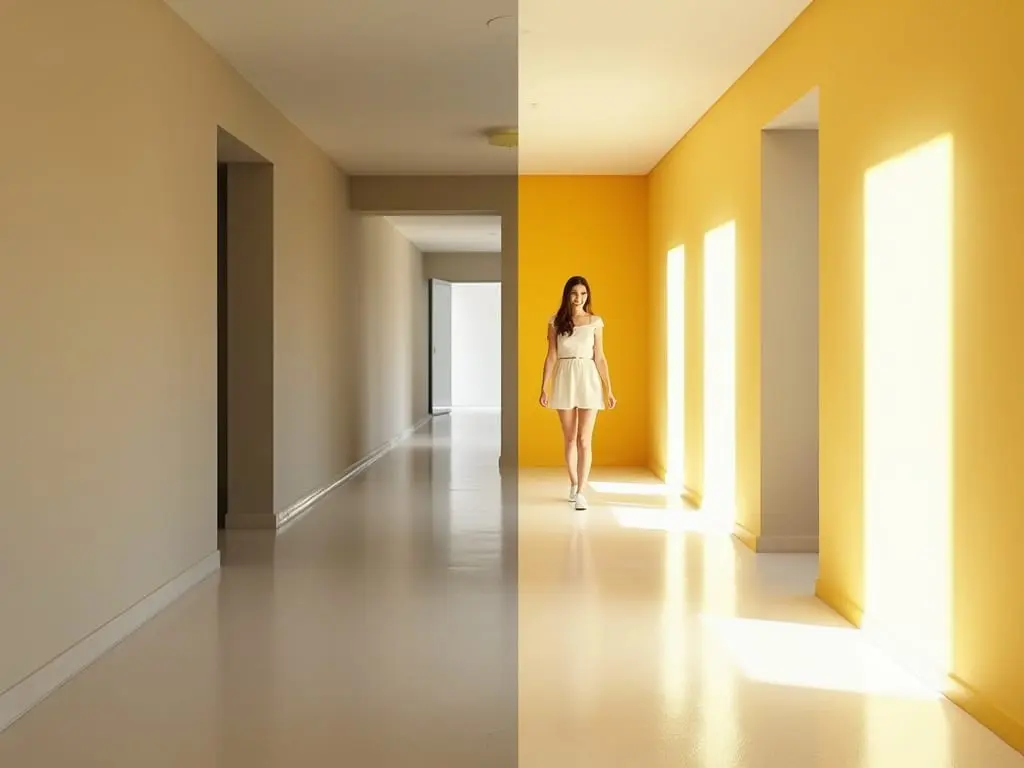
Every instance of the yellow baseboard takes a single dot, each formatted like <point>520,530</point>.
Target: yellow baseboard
<point>839,602</point>
<point>745,537</point>
<point>692,498</point>
<point>969,699</point>
<point>986,712</point>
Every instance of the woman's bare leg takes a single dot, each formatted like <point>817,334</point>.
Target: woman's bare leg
<point>584,434</point>
<point>569,433</point>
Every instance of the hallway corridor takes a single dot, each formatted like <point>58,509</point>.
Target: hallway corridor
<point>380,631</point>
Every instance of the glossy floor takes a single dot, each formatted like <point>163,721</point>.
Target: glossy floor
<point>390,628</point>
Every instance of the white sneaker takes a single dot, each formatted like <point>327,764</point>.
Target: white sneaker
<point>581,502</point>
<point>572,492</point>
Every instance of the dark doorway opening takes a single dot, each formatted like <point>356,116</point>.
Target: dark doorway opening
<point>245,334</point>
<point>222,344</point>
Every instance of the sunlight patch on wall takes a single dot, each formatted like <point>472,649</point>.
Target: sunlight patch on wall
<point>908,261</point>
<point>720,369</point>
<point>675,349</point>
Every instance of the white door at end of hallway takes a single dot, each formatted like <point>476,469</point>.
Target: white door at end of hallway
<point>476,345</point>
<point>440,346</point>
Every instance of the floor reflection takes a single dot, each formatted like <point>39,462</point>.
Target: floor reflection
<point>431,612</point>
<point>670,644</point>
<point>379,629</point>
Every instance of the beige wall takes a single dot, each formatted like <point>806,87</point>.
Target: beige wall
<point>789,342</point>
<point>391,346</point>
<point>108,397</point>
<point>463,267</point>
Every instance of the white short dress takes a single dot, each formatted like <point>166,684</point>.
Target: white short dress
<point>576,382</point>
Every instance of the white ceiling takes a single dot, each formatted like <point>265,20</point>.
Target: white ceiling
<point>407,86</point>
<point>383,86</point>
<point>617,84</point>
<point>451,234</point>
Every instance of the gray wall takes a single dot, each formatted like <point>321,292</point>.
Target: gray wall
<point>108,316</point>
<point>789,351</point>
<point>392,341</point>
<point>463,267</point>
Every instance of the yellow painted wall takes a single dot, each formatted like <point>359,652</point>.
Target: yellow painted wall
<point>595,226</point>
<point>893,74</point>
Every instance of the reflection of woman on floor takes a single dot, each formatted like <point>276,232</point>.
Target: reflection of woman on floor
<point>576,381</point>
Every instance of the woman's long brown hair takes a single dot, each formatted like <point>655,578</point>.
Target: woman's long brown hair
<point>564,325</point>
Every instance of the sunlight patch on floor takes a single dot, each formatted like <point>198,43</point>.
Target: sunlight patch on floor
<point>682,519</point>
<point>810,656</point>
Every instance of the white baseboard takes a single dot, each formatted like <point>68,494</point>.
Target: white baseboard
<point>16,701</point>
<point>23,696</point>
<point>776,545</point>
<point>303,505</point>
<point>787,544</point>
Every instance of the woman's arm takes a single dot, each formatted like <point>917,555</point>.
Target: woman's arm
<point>549,360</point>
<point>602,362</point>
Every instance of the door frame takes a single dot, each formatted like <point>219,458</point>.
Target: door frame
<point>222,344</point>
<point>434,411</point>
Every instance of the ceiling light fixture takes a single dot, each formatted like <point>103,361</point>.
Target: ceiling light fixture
<point>499,22</point>
<point>508,138</point>
<point>506,23</point>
